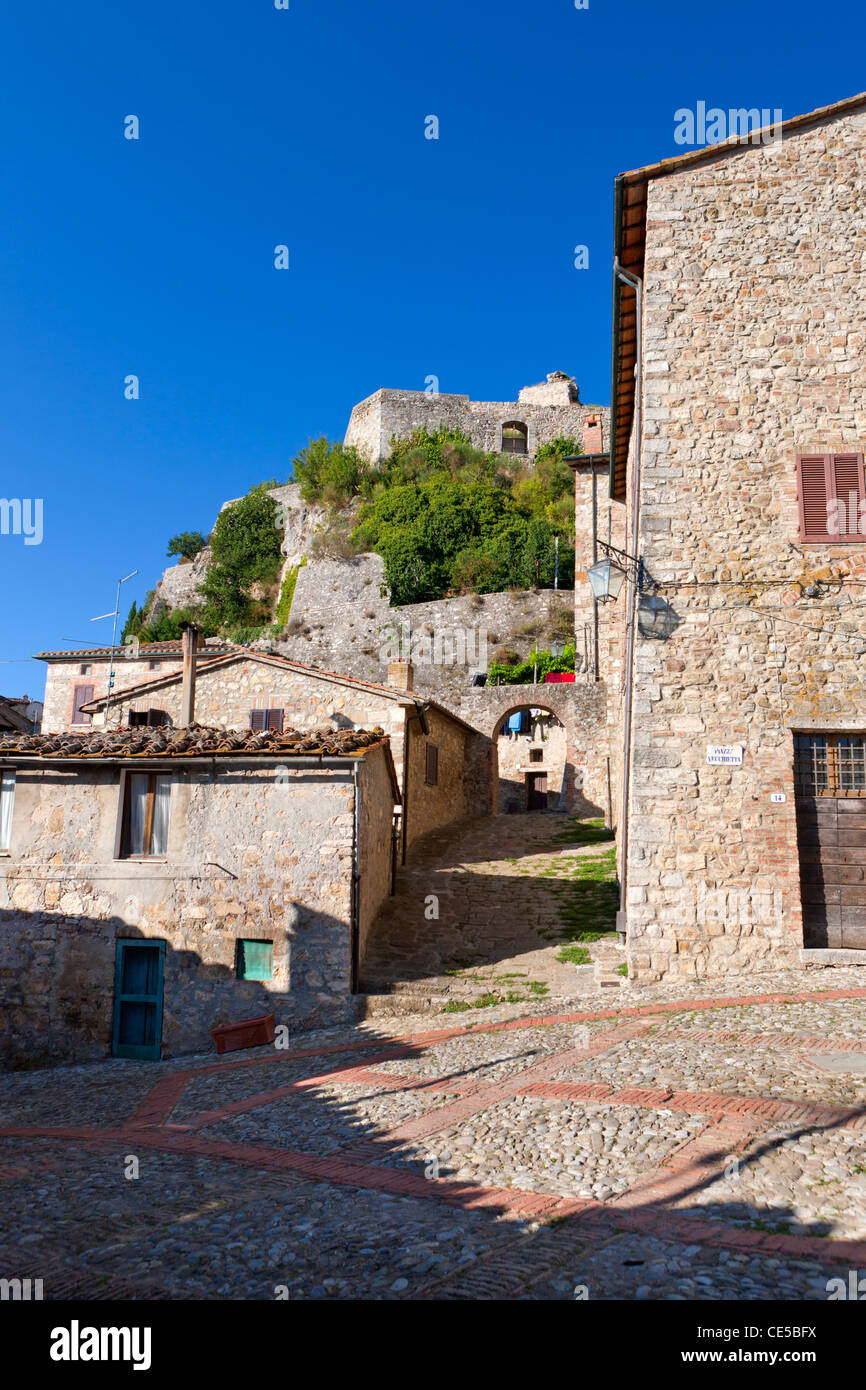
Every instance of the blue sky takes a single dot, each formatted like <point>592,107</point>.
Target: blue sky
<point>409,257</point>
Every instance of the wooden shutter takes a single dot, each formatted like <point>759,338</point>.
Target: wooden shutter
<point>431,776</point>
<point>80,696</point>
<point>848,487</point>
<point>816,490</point>
<point>274,720</point>
<point>258,719</point>
<point>831,488</point>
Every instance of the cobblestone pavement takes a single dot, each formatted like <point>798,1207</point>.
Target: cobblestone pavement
<point>511,892</point>
<point>664,1143</point>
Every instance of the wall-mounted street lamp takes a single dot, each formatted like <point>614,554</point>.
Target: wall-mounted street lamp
<point>607,576</point>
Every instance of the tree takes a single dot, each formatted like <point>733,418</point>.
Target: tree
<point>187,544</point>
<point>246,549</point>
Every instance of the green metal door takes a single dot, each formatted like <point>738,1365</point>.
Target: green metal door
<point>138,987</point>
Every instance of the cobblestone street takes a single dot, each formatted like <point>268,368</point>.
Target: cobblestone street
<point>525,908</point>
<point>662,1143</point>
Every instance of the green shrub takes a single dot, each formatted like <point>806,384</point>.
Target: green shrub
<point>287,593</point>
<point>246,550</point>
<point>329,472</point>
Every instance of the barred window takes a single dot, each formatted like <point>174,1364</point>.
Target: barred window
<point>830,764</point>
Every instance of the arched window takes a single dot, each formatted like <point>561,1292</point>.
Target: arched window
<point>514,438</point>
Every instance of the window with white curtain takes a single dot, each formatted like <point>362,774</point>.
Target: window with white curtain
<point>7,796</point>
<point>145,813</point>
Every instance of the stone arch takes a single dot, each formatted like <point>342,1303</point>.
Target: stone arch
<point>581,710</point>
<point>530,762</point>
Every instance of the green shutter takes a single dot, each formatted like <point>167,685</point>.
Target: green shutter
<point>255,960</point>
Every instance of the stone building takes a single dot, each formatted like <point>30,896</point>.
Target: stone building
<point>532,757</point>
<point>738,715</point>
<point>73,678</point>
<point>550,410</point>
<point>245,689</point>
<point>20,714</point>
<point>155,883</point>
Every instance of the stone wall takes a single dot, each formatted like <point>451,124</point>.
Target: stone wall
<point>542,750</point>
<point>225,696</point>
<point>253,853</point>
<point>341,621</point>
<point>376,852</point>
<point>581,708</point>
<point>428,807</point>
<point>549,410</point>
<point>754,329</point>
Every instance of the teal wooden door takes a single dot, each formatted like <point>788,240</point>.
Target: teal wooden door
<point>138,986</point>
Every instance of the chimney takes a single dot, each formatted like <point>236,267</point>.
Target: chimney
<point>189,643</point>
<point>592,442</point>
<point>400,675</point>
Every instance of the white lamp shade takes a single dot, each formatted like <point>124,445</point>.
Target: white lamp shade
<point>606,579</point>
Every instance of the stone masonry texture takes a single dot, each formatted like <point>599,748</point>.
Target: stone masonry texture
<point>754,328</point>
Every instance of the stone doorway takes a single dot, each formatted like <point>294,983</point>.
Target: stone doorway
<point>530,748</point>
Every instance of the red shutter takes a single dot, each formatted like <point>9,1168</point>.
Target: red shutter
<point>848,484</point>
<point>832,488</point>
<point>275,720</point>
<point>258,719</point>
<point>815,485</point>
<point>80,696</point>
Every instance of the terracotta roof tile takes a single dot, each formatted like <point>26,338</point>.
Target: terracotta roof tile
<point>196,741</point>
<point>146,649</point>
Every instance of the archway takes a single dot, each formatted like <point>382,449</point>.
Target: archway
<point>531,770</point>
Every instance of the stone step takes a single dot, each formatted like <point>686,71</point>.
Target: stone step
<point>398,1005</point>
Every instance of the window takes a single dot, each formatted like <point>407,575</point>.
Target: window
<point>84,670</point>
<point>431,770</point>
<point>153,666</point>
<point>832,497</point>
<point>150,717</point>
<point>266,719</point>
<point>7,797</point>
<point>145,813</point>
<point>255,960</point>
<point>536,755</point>
<point>80,696</point>
<point>514,436</point>
<point>830,764</point>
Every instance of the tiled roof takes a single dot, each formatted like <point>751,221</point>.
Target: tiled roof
<point>146,649</point>
<point>195,742</point>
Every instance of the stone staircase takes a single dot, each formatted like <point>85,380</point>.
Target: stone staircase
<point>492,884</point>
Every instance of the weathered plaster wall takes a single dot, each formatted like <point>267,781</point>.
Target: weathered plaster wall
<point>258,853</point>
<point>754,330</point>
